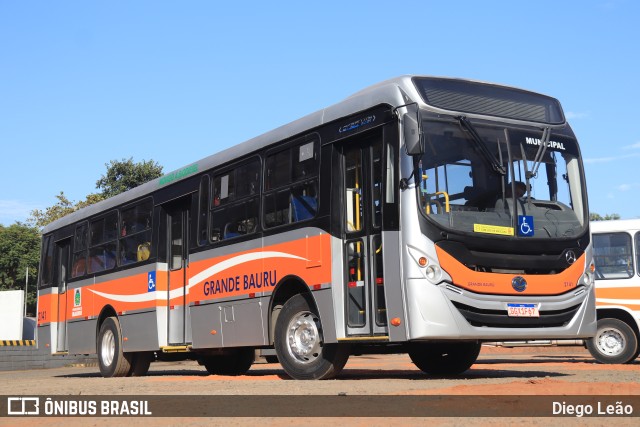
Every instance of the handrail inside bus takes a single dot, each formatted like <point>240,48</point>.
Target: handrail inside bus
<point>428,196</point>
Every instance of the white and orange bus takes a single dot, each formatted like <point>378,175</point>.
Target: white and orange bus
<point>616,253</point>
<point>421,215</point>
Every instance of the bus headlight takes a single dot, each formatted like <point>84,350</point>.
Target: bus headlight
<point>433,273</point>
<point>429,268</point>
<point>588,274</point>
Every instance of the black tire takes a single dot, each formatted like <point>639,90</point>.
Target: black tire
<point>614,342</point>
<point>112,360</point>
<point>444,358</point>
<point>299,343</point>
<point>238,362</point>
<point>141,362</point>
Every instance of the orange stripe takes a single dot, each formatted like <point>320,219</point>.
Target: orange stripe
<point>632,307</point>
<point>618,293</point>
<point>314,268</point>
<point>497,283</point>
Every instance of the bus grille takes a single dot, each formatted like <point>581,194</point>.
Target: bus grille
<point>500,319</point>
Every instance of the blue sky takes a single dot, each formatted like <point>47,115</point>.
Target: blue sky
<point>82,83</point>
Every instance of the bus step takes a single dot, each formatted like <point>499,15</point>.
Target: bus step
<point>176,349</point>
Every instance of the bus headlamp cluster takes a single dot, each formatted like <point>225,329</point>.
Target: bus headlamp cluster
<point>428,267</point>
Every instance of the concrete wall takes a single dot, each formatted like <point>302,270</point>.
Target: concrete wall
<point>11,310</point>
<point>23,355</point>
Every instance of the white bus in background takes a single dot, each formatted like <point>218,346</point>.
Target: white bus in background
<point>616,253</point>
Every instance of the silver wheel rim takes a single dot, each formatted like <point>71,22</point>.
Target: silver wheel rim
<point>108,348</point>
<point>304,342</point>
<point>610,342</point>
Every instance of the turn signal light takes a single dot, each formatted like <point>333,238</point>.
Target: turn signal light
<point>396,321</point>
<point>423,261</point>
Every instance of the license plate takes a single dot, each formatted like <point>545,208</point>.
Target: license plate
<point>523,310</point>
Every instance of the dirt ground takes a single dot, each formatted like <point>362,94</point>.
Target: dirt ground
<point>523,372</point>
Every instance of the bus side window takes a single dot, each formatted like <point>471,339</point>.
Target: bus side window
<point>79,266</point>
<point>102,243</point>
<point>291,185</point>
<point>46,267</point>
<point>235,205</point>
<point>135,233</point>
<point>613,256</point>
<point>637,248</point>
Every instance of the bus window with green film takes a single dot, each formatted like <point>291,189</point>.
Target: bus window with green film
<point>502,179</point>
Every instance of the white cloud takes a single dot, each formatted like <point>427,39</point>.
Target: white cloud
<point>629,186</point>
<point>15,210</point>
<point>632,146</point>
<point>572,115</point>
<point>600,159</point>
<point>610,158</point>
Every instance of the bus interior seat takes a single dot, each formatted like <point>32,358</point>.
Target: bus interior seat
<point>303,207</point>
<point>480,198</point>
<point>230,231</point>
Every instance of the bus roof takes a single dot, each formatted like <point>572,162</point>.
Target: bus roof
<point>394,92</point>
<point>615,225</point>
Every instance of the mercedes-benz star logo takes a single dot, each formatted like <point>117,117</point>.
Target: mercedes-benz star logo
<point>570,256</point>
<point>519,284</point>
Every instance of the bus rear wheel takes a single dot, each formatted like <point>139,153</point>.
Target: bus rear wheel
<point>614,342</point>
<point>444,358</point>
<point>112,360</point>
<point>300,346</point>
<point>238,362</point>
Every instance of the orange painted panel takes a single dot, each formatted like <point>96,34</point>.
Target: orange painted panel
<point>500,284</point>
<point>235,274</point>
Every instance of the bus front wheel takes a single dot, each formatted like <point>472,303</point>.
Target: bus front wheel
<point>444,358</point>
<point>615,342</point>
<point>300,346</point>
<point>112,360</point>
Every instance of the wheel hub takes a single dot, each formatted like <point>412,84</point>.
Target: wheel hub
<point>611,342</point>
<point>108,348</point>
<point>303,337</point>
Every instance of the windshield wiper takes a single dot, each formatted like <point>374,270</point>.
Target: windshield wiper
<point>544,143</point>
<point>482,146</point>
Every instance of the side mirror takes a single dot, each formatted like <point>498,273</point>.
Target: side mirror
<point>412,127</point>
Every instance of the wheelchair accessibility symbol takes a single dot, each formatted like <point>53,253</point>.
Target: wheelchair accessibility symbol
<point>151,281</point>
<point>525,225</point>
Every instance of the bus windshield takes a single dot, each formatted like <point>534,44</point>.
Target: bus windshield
<point>532,191</point>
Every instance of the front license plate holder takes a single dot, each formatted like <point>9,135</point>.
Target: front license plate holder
<point>523,310</point>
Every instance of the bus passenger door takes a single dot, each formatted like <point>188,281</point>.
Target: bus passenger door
<point>61,267</point>
<point>178,263</point>
<point>362,212</point>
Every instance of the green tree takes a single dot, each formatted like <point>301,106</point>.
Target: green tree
<point>19,249</point>
<point>597,217</point>
<point>20,243</point>
<point>120,176</point>
<point>40,218</point>
<point>125,174</point>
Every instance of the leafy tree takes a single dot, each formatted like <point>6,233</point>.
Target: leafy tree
<point>20,243</point>
<point>64,206</point>
<point>120,176</point>
<point>597,217</point>
<point>19,249</point>
<point>125,175</point>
